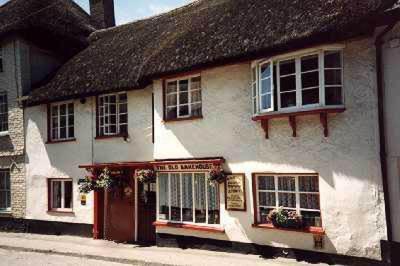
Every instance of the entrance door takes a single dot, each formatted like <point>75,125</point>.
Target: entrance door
<point>146,212</point>
<point>120,213</point>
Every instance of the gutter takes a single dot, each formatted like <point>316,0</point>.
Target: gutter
<point>382,130</point>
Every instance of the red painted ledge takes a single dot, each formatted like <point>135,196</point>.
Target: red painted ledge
<point>307,230</point>
<point>190,227</point>
<point>298,113</point>
<point>60,141</point>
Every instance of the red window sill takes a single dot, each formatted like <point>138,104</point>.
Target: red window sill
<point>190,227</point>
<point>124,136</point>
<point>272,115</point>
<point>60,141</point>
<point>183,119</point>
<point>308,230</point>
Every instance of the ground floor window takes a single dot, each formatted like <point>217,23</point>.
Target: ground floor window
<point>187,197</point>
<point>292,192</point>
<point>5,190</point>
<point>60,194</point>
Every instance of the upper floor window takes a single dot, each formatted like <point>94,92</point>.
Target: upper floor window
<point>5,190</point>
<point>62,121</point>
<point>292,192</point>
<point>60,194</point>
<point>299,82</point>
<point>113,114</point>
<point>3,112</point>
<point>183,98</point>
<point>188,198</point>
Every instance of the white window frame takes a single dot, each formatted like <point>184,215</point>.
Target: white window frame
<point>260,80</point>
<point>297,56</point>
<point>118,124</point>
<point>58,116</point>
<point>297,192</point>
<point>5,132</point>
<point>178,105</point>
<point>5,173</point>
<point>63,181</point>
<point>206,175</point>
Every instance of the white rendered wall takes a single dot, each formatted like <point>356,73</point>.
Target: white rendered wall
<point>61,160</point>
<point>347,161</point>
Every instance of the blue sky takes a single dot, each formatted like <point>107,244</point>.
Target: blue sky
<point>129,10</point>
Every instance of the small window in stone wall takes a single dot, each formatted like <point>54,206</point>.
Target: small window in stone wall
<point>3,112</point>
<point>5,190</point>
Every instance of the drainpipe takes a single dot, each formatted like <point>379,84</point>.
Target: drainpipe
<point>382,133</point>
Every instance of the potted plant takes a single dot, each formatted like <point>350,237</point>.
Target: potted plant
<point>285,219</point>
<point>146,176</point>
<point>217,175</point>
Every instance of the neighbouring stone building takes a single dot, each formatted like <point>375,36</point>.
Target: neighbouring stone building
<point>200,126</point>
<point>34,42</point>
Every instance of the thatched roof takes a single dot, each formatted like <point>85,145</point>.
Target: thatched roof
<point>202,34</point>
<point>56,20</point>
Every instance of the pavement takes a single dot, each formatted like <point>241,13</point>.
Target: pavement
<point>31,249</point>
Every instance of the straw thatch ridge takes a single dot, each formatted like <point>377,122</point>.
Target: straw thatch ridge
<point>203,34</point>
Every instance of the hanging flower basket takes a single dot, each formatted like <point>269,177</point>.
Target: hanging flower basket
<point>285,219</point>
<point>146,176</point>
<point>87,185</point>
<point>103,181</point>
<point>217,175</point>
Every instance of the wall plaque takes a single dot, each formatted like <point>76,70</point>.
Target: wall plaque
<point>235,192</point>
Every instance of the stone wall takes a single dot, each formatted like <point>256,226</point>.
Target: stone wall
<point>12,80</point>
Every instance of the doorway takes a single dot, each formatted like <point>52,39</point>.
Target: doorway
<point>146,213</point>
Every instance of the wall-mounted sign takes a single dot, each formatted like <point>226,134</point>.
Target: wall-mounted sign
<point>235,192</point>
<point>184,167</point>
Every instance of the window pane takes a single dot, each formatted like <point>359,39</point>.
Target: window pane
<point>267,198</point>
<point>2,180</point>
<point>63,133</point>
<point>123,129</point>
<point>264,214</point>
<point>63,109</point>
<point>63,121</point>
<point>187,197</point>
<point>172,99</point>
<point>333,59</point>
<point>196,83</point>
<point>183,85</point>
<point>310,96</point>
<point>171,87</point>
<point>200,197</point>
<point>266,101</point>
<point>56,189</point>
<point>3,200</point>
<point>163,197</point>
<point>287,67</point>
<point>333,95</point>
<point>309,201</point>
<point>71,132</point>
<point>183,97</point>
<point>311,218</point>
<point>171,113</point>
<point>266,86</point>
<point>175,197</point>
<point>123,119</point>
<point>183,110</point>
<point>196,96</point>
<point>310,79</point>
<point>333,77</point>
<point>123,108</point>
<point>68,194</point>
<point>288,99</point>
<point>288,83</point>
<point>71,120</point>
<point>196,109</point>
<point>123,98</point>
<point>71,108</point>
<point>287,200</point>
<point>309,63</point>
<point>308,184</point>
<point>54,110</point>
<point>213,205</point>
<point>265,71</point>
<point>266,183</point>
<point>286,183</point>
